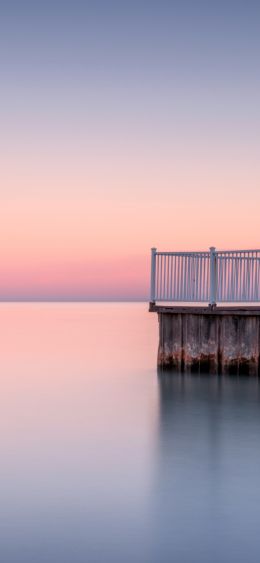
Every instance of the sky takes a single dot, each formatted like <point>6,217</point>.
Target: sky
<point>124,125</point>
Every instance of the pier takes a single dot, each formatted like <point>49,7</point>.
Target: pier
<point>208,306</point>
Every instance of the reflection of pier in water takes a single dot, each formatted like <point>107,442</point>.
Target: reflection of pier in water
<point>208,459</point>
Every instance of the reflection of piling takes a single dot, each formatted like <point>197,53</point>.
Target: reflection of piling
<point>214,340</point>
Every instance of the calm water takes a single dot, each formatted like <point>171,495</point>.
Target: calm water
<point>102,460</point>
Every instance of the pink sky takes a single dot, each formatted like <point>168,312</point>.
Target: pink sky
<point>111,145</point>
<point>92,246</point>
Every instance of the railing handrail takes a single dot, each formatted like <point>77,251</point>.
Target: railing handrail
<point>200,252</point>
<point>237,251</point>
<point>193,253</point>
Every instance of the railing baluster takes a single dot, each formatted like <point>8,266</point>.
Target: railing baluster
<point>165,278</point>
<point>153,275</point>
<point>181,279</point>
<point>160,277</point>
<point>175,278</point>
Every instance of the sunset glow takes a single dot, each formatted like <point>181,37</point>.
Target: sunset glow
<point>141,130</point>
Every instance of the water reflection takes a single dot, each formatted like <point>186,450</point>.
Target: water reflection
<point>207,500</point>
<point>104,461</point>
<point>78,415</point>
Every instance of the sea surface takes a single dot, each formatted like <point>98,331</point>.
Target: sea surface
<point>103,459</point>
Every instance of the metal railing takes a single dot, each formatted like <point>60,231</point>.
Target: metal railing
<point>205,277</point>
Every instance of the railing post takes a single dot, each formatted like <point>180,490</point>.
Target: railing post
<point>153,275</point>
<point>213,277</point>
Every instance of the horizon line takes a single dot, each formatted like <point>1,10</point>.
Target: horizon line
<point>72,300</point>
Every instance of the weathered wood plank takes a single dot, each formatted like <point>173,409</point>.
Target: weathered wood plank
<point>212,341</point>
<point>200,310</point>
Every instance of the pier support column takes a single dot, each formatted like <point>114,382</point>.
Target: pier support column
<point>222,340</point>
